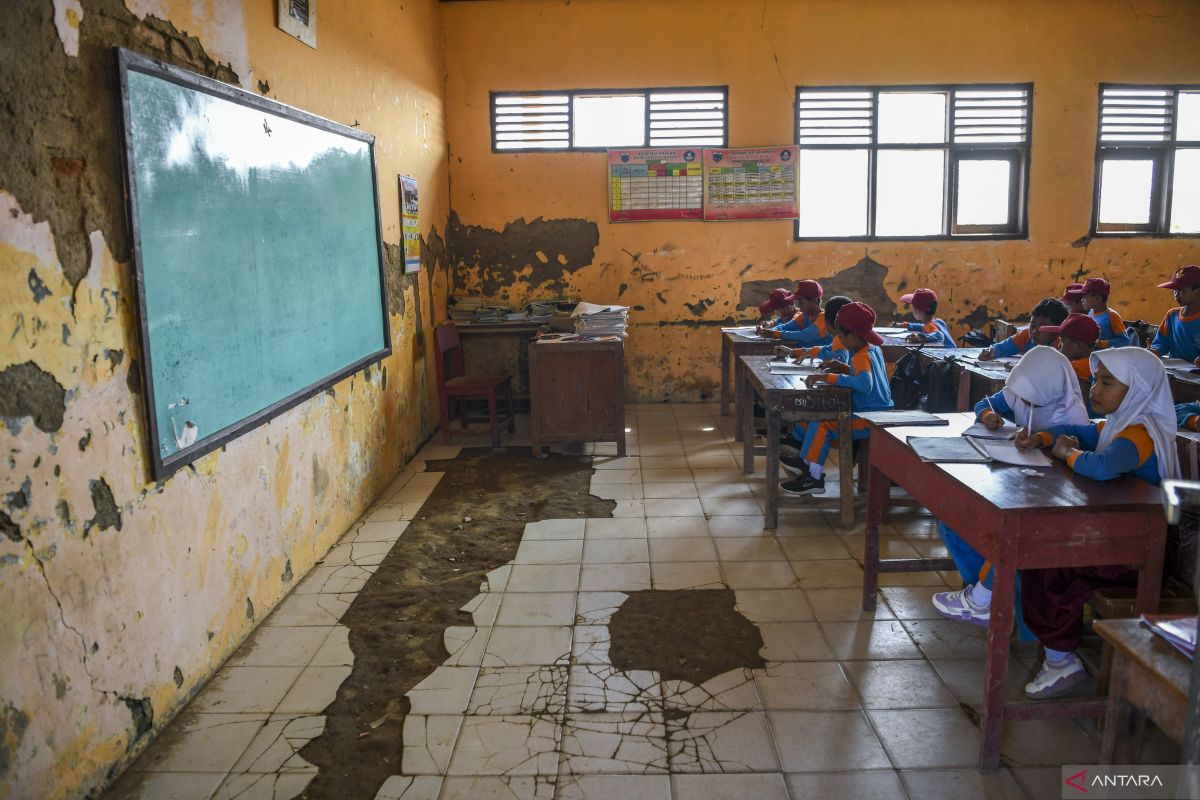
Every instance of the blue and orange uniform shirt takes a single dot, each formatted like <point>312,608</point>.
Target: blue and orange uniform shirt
<point>1131,451</point>
<point>1188,416</point>
<point>1015,345</point>
<point>802,331</point>
<point>834,351</point>
<point>1178,336</point>
<point>870,390</point>
<point>935,332</point>
<point>1112,329</point>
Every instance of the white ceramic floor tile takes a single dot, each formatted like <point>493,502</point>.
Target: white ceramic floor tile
<point>308,610</point>
<point>600,743</point>
<point>676,527</point>
<point>429,743</point>
<point>506,745</point>
<point>499,787</point>
<point>237,690</point>
<point>551,529</point>
<point>805,686</point>
<point>515,646</point>
<point>202,743</point>
<point>759,575</point>
<point>544,578</point>
<point>670,491</point>
<point>721,741</point>
<point>280,647</point>
<point>526,690</point>
<point>615,551</point>
<point>730,691</point>
<point>335,650</point>
<point>684,507</point>
<point>565,551</point>
<point>335,579</point>
<point>410,787</point>
<point>614,787</point>
<point>166,786</point>
<point>597,608</point>
<point>447,690</point>
<point>277,746</point>
<point>256,786</point>
<point>773,605</point>
<point>465,645</point>
<point>314,690</point>
<point>616,529</point>
<point>770,786</point>
<point>667,575</point>
<point>794,641</point>
<point>682,549</point>
<point>595,687</point>
<point>537,608</point>
<point>820,741</point>
<point>614,577</point>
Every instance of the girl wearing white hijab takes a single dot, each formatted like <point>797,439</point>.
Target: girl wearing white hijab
<point>1041,391</point>
<point>1138,438</point>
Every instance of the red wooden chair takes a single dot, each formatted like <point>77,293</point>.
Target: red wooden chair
<point>453,383</point>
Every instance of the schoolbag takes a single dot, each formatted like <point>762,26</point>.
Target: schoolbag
<point>907,381</point>
<point>977,338</point>
<point>940,387</point>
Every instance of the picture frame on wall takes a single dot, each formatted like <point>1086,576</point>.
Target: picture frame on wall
<point>298,18</point>
<point>410,228</point>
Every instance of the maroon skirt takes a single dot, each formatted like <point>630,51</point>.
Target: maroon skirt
<point>1052,599</point>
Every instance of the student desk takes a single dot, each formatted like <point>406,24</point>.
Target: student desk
<point>1016,522</point>
<point>1149,678</point>
<point>737,342</point>
<point>976,379</point>
<point>787,399</point>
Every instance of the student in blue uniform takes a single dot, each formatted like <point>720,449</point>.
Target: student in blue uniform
<point>808,328</point>
<point>1073,298</point>
<point>1137,438</point>
<point>1041,391</point>
<point>835,350</point>
<point>927,328</point>
<point>1179,334</point>
<point>769,310</point>
<point>867,379</point>
<point>1187,416</point>
<point>1112,328</point>
<point>1047,312</point>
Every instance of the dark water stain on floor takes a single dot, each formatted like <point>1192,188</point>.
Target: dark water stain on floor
<point>687,634</point>
<point>396,622</point>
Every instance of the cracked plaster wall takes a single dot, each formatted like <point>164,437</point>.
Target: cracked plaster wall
<point>684,279</point>
<point>122,596</point>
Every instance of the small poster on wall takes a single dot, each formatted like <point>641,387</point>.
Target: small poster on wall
<point>750,183</point>
<point>410,229</point>
<point>654,184</point>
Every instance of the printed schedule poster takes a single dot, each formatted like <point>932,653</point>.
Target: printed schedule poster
<point>750,183</point>
<point>654,184</point>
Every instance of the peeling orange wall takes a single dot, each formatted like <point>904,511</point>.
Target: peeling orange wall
<point>763,49</point>
<point>122,596</point>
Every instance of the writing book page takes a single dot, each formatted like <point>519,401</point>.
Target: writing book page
<point>1007,453</point>
<point>979,431</point>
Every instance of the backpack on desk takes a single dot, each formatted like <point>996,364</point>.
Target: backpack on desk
<point>940,387</point>
<point>907,381</point>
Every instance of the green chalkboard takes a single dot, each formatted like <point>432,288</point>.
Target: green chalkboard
<point>260,269</point>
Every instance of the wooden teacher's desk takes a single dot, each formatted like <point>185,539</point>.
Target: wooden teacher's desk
<point>787,399</point>
<point>1017,522</point>
<point>737,342</point>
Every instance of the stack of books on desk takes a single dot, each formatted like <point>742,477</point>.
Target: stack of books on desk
<point>594,320</point>
<point>1179,631</point>
<point>463,308</point>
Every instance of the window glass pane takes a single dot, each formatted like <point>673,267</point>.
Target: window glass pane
<point>912,118</point>
<point>1185,197</point>
<point>1188,122</point>
<point>609,121</point>
<point>833,192</point>
<point>983,188</point>
<point>1125,188</point>
<point>909,193</point>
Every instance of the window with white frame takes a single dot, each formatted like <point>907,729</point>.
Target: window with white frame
<point>913,162</point>
<point>1148,161</point>
<point>597,119</point>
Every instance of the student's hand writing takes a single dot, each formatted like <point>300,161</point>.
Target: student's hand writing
<point>783,352</point>
<point>915,338</point>
<point>814,379</point>
<point>833,365</point>
<point>987,355</point>
<point>991,420</point>
<point>1025,440</point>
<point>1064,446</point>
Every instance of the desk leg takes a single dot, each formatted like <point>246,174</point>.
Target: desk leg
<point>1150,575</point>
<point>739,398</point>
<point>996,671</point>
<point>771,508</point>
<point>1124,723</point>
<point>846,469</point>
<point>878,487</point>
<point>724,375</point>
<point>745,412</point>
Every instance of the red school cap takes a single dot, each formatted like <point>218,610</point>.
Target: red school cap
<point>1074,292</point>
<point>1183,278</point>
<point>1096,286</point>
<point>859,318</point>
<point>777,299</point>
<point>808,290</point>
<point>923,299</point>
<point>1076,326</point>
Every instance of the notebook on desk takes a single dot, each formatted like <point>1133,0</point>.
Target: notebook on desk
<point>965,450</point>
<point>901,419</point>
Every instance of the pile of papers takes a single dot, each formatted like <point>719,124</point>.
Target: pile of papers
<point>473,309</point>
<point>1179,631</point>
<point>593,320</point>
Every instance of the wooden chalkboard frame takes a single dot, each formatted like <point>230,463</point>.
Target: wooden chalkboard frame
<point>129,61</point>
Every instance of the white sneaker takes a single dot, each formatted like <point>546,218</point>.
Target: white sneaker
<point>1056,679</point>
<point>959,605</point>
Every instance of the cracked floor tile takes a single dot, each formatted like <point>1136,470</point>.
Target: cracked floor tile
<point>729,691</point>
<point>314,690</point>
<point>378,531</point>
<point>515,787</point>
<point>552,551</point>
<point>335,650</point>
<point>276,748</point>
<point>483,608</point>
<point>721,741</point>
<point>410,787</point>
<point>805,685</point>
<point>166,786</point>
<point>614,743</point>
<point>604,787</point>
<point>537,608</point>
<point>507,745</point>
<point>465,645</point>
<point>202,743</point>
<point>596,687</point>
<point>527,690</point>
<point>309,609</point>
<point>429,743</point>
<point>515,646</point>
<point>614,577</point>
<point>597,608</point>
<point>669,576</point>
<point>335,579</point>
<point>360,554</point>
<point>246,689</point>
<point>447,690</point>
<point>591,644</point>
<point>543,578</point>
<point>281,647</point>
<point>271,786</point>
<point>553,529</point>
